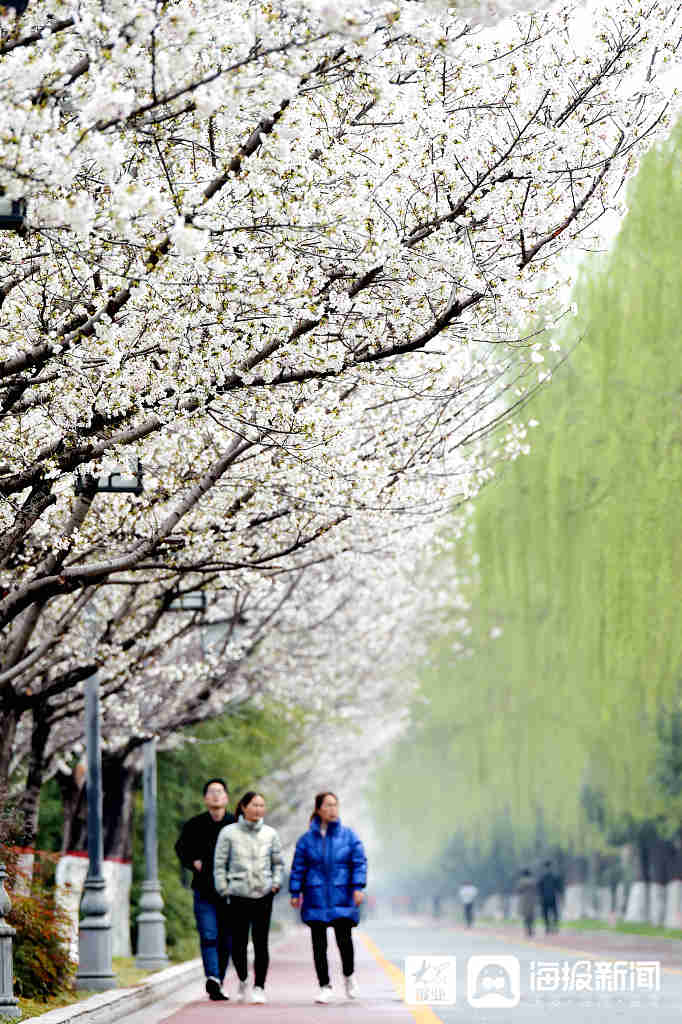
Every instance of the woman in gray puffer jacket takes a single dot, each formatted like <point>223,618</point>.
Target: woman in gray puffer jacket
<point>247,869</point>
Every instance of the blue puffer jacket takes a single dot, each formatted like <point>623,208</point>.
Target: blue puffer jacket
<point>326,870</point>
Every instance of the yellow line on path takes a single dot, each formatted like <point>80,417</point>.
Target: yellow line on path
<point>421,1014</point>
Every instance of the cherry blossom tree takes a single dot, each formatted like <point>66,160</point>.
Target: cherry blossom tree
<point>280,256</point>
<point>280,653</point>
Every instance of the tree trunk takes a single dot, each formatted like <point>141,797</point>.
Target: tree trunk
<point>574,904</point>
<point>676,857</point>
<point>72,787</point>
<point>8,730</point>
<point>673,901</point>
<point>118,784</point>
<point>637,910</point>
<point>577,867</point>
<point>660,857</point>
<point>29,803</point>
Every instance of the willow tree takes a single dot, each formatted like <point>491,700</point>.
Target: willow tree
<point>563,677</point>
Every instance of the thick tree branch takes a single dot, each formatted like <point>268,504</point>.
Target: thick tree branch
<point>42,588</point>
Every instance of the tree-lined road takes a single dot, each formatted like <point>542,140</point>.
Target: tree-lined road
<point>381,950</point>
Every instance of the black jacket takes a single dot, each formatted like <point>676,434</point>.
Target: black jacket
<point>549,887</point>
<point>197,842</point>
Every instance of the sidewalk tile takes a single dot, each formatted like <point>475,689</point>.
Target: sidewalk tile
<point>291,988</point>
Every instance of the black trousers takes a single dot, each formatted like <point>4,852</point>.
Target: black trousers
<point>551,916</point>
<point>251,915</point>
<point>469,914</point>
<point>342,930</point>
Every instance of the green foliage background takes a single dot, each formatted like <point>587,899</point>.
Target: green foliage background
<point>574,553</point>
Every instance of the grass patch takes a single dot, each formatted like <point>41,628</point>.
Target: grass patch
<point>186,948</point>
<point>127,975</point>
<point>593,924</point>
<point>34,1008</point>
<point>587,924</point>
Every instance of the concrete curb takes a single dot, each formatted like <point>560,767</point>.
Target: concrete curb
<point>107,1007</point>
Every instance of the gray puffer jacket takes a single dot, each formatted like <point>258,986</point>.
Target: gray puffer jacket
<point>248,859</point>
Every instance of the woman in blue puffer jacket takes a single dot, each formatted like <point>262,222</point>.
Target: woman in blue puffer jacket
<point>328,875</point>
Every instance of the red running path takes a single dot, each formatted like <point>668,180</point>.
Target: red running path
<point>291,988</point>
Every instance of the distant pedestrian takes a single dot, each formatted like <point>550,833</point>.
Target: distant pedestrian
<point>527,890</point>
<point>549,891</point>
<point>195,848</point>
<point>248,868</point>
<point>328,875</point>
<point>467,895</point>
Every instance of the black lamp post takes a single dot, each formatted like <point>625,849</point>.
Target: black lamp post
<point>12,214</point>
<point>94,932</point>
<point>215,631</point>
<point>112,483</point>
<point>210,632</point>
<point>151,923</point>
<point>190,601</point>
<point>9,1007</point>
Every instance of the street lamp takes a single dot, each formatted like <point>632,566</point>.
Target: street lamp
<point>9,1007</point>
<point>94,932</point>
<point>112,483</point>
<point>190,601</point>
<point>214,632</point>
<point>151,923</point>
<point>210,632</point>
<point>12,214</point>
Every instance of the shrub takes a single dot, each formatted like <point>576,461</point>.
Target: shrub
<point>42,966</point>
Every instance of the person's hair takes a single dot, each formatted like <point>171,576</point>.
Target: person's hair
<point>548,863</point>
<point>220,782</point>
<point>319,800</point>
<point>526,871</point>
<point>245,801</point>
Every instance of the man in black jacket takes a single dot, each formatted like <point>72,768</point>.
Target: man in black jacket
<point>195,848</point>
<point>549,891</point>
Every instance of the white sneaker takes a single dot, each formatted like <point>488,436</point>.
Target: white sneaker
<point>258,995</point>
<point>242,991</point>
<point>325,994</point>
<point>352,990</point>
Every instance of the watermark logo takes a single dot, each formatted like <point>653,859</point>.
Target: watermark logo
<point>595,976</point>
<point>431,980</point>
<point>493,982</point>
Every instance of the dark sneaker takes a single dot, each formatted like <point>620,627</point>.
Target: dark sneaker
<point>214,990</point>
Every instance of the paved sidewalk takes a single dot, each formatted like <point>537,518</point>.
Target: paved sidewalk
<point>614,945</point>
<point>292,986</point>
